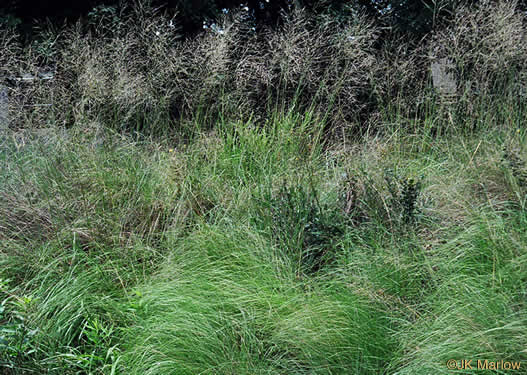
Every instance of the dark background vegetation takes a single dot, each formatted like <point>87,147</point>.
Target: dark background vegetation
<point>413,16</point>
<point>350,58</point>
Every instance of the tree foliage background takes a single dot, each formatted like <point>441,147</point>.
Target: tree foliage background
<point>407,16</point>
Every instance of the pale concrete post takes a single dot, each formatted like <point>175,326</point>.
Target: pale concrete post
<point>443,78</point>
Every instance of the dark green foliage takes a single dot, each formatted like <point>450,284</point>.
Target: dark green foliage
<point>409,194</point>
<point>391,202</point>
<point>299,222</point>
<point>16,336</point>
<point>403,194</point>
<point>517,166</point>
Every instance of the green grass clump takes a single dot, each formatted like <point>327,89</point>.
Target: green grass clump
<point>225,304</point>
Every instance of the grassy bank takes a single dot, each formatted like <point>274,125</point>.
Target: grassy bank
<point>253,250</point>
<point>210,206</point>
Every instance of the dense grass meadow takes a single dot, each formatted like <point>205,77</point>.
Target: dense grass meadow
<point>239,203</point>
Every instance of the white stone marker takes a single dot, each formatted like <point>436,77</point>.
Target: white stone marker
<point>442,77</point>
